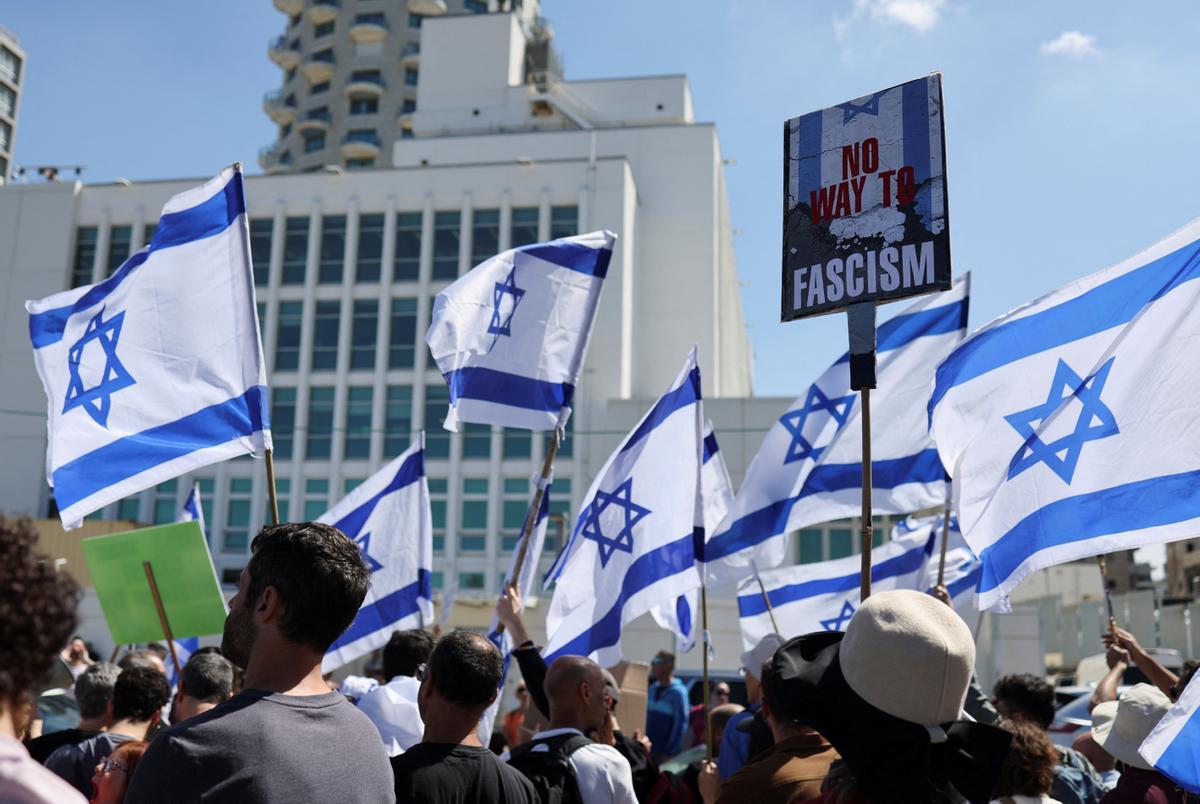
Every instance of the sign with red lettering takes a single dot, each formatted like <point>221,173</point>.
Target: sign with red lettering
<point>864,210</point>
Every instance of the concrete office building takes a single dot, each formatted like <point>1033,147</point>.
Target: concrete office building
<point>12,65</point>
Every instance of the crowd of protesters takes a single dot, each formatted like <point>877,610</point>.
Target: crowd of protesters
<point>887,711</point>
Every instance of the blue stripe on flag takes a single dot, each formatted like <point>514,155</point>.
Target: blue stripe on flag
<point>915,120</point>
<point>1180,759</point>
<point>387,610</point>
<point>175,229</point>
<point>753,604</point>
<point>904,329</point>
<point>412,470</point>
<point>571,255</point>
<point>686,394</point>
<point>771,520</point>
<point>710,446</point>
<point>968,581</point>
<point>1103,307</point>
<point>212,426</point>
<point>1139,505</point>
<point>502,388</point>
<point>647,569</point>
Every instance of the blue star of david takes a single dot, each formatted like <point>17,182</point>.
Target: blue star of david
<point>794,421</point>
<point>838,623</point>
<point>97,400</point>
<point>1096,421</point>
<point>632,514</point>
<point>501,323</point>
<point>364,546</point>
<point>851,110</point>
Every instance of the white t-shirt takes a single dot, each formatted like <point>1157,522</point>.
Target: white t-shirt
<point>24,781</point>
<point>603,775</point>
<point>393,709</point>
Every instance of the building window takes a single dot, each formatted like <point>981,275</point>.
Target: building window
<point>120,241</point>
<point>370,244</point>
<point>324,29</point>
<point>295,251</point>
<point>446,234</point>
<point>470,580</point>
<point>518,494</point>
<point>564,222</point>
<point>320,423</point>
<point>325,335</point>
<point>402,341</point>
<point>283,421</point>
<point>358,422</point>
<point>351,483</point>
<point>236,538</point>
<point>475,6</point>
<point>148,233</point>
<point>408,106</point>
<point>410,77</point>
<point>397,420</point>
<point>355,164</point>
<point>283,494</point>
<point>129,509</point>
<point>517,443</point>
<point>485,235</point>
<point>364,105</point>
<point>325,55</point>
<point>407,264</point>
<point>524,226</point>
<point>333,249</point>
<point>414,20</point>
<point>285,130</point>
<point>165,508</point>
<point>841,542</point>
<point>560,510</point>
<point>5,136</point>
<point>85,255</point>
<point>260,249</point>
<point>8,101</point>
<point>437,440</point>
<point>363,331</point>
<point>287,336</point>
<point>10,64</point>
<point>812,546</point>
<point>316,498</point>
<point>317,89</point>
<point>476,440</point>
<point>314,142</point>
<point>289,75</point>
<point>366,77</point>
<point>366,135</point>
<point>472,526</point>
<point>437,508</point>
<point>407,134</point>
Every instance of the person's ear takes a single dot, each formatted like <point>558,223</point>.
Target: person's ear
<point>268,607</point>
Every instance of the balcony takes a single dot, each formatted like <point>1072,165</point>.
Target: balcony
<point>279,108</point>
<point>273,159</point>
<point>365,84</point>
<point>404,120</point>
<point>410,57</point>
<point>360,145</point>
<point>283,53</point>
<point>369,28</point>
<point>314,120</point>
<point>318,67</point>
<point>289,7</point>
<point>323,11</point>
<point>427,8</point>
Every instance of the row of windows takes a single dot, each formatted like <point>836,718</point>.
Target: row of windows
<point>838,539</point>
<point>401,341</point>
<point>483,237</point>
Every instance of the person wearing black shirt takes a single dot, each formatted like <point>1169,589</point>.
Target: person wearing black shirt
<point>450,765</point>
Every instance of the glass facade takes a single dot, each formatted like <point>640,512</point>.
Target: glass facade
<point>402,339</point>
<point>370,248</point>
<point>333,248</point>
<point>260,249</point>
<point>85,255</point>
<point>326,322</point>
<point>524,226</point>
<point>358,423</point>
<point>446,236</point>
<point>363,334</point>
<point>407,262</point>
<point>120,244</point>
<point>319,443</point>
<point>295,251</point>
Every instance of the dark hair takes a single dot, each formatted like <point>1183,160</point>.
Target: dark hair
<point>319,574</point>
<point>1028,695</point>
<point>1029,765</point>
<point>94,688</point>
<point>139,693</point>
<point>207,677</point>
<point>139,657</point>
<point>37,610</point>
<point>466,669</point>
<point>404,651</point>
<point>666,656</point>
<point>1186,672</point>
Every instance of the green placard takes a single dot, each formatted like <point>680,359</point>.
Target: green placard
<point>183,570</point>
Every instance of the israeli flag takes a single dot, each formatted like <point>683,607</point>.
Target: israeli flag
<point>823,597</point>
<point>157,370</point>
<point>192,510</point>
<point>634,544</point>
<point>1069,424</point>
<point>390,520</point>
<point>529,569</point>
<point>717,490</point>
<point>510,336</point>
<point>1173,746</point>
<point>184,648</point>
<point>963,568</point>
<point>809,467</point>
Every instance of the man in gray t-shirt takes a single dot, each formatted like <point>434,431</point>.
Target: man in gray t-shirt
<point>285,737</point>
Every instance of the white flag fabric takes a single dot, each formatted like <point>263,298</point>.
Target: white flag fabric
<point>809,467</point>
<point>389,518</point>
<point>634,544</point>
<point>192,510</point>
<point>510,335</point>
<point>157,370</point>
<point>1069,424</point>
<point>823,597</point>
<point>1173,746</point>
<point>963,568</point>
<point>683,619</point>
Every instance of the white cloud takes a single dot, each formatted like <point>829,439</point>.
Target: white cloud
<point>1071,43</point>
<point>920,15</point>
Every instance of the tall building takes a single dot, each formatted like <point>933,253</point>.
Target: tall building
<point>12,64</point>
<point>350,74</point>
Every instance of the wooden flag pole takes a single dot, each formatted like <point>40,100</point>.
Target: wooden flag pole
<point>708,735</point>
<point>162,618</point>
<point>766,599</point>
<point>272,500</point>
<point>945,539</point>
<point>867,534</point>
<point>1112,620</point>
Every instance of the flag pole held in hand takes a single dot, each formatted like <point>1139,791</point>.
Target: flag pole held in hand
<point>861,321</point>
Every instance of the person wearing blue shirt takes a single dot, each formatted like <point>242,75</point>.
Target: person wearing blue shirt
<point>735,744</point>
<point>666,708</point>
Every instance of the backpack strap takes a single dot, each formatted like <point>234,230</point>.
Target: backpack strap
<point>564,744</point>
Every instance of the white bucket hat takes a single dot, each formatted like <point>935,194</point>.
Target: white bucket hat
<point>760,654</point>
<point>1137,713</point>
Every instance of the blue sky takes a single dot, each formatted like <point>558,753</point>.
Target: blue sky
<point>1066,153</point>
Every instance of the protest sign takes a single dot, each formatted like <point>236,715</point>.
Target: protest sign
<point>183,569</point>
<point>865,216</point>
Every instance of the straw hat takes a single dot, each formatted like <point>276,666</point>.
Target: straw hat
<point>1137,713</point>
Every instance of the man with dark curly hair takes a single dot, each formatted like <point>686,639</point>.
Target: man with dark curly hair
<point>1028,772</point>
<point>285,737</point>
<point>37,614</point>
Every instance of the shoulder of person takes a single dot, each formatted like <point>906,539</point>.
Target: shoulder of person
<point>601,754</point>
